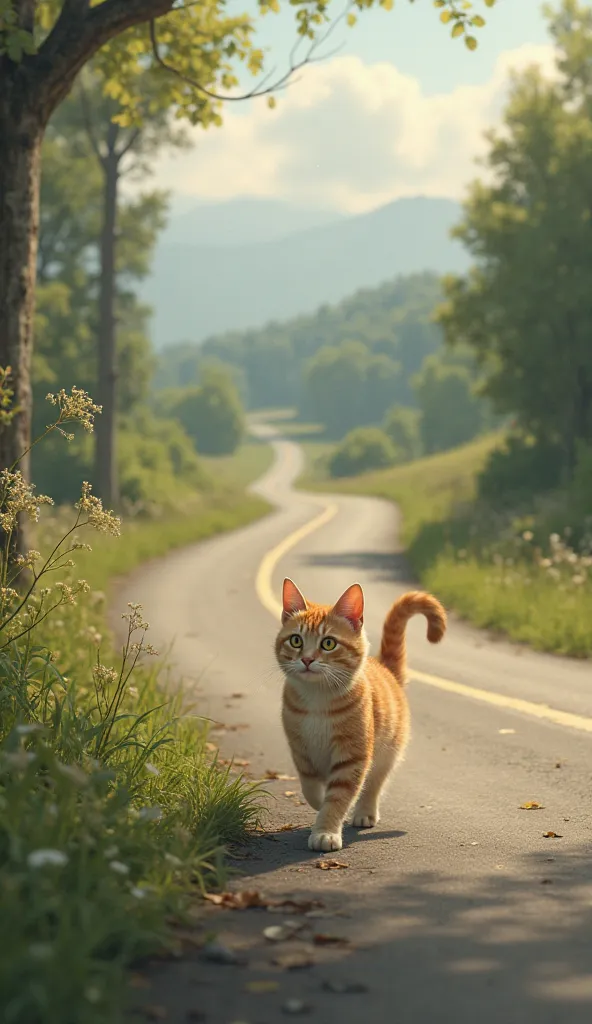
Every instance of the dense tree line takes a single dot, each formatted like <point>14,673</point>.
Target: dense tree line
<point>378,353</point>
<point>525,309</point>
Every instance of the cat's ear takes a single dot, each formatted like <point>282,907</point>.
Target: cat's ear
<point>351,606</point>
<point>292,600</point>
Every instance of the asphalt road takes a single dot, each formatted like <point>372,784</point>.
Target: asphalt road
<point>455,907</point>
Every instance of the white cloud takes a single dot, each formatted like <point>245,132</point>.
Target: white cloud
<point>348,135</point>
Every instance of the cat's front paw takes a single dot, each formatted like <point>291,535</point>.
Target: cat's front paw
<point>365,820</point>
<point>325,841</point>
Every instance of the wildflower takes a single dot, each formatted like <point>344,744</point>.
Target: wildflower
<point>134,617</point>
<point>103,676</point>
<point>92,634</point>
<point>47,858</point>
<point>151,768</point>
<point>77,406</point>
<point>137,892</point>
<point>96,515</point>
<point>142,648</point>
<point>150,813</point>
<point>119,867</point>
<point>133,691</point>
<point>527,535</point>
<point>18,496</point>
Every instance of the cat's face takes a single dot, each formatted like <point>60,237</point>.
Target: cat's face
<point>318,644</point>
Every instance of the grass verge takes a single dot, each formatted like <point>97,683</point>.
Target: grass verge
<point>507,572</point>
<point>113,809</point>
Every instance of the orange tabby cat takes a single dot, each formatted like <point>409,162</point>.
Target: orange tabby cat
<point>345,713</point>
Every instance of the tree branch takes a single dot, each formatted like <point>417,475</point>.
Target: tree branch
<point>78,33</point>
<point>262,89</point>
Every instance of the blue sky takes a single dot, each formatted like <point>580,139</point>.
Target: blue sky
<point>400,110</point>
<point>412,37</point>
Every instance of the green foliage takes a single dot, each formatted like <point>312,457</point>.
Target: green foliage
<point>402,425</point>
<point>361,450</point>
<point>518,469</point>
<point>525,307</point>
<point>211,413</point>
<point>451,413</point>
<point>369,345</point>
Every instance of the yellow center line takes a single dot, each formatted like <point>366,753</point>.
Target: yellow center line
<point>265,593</point>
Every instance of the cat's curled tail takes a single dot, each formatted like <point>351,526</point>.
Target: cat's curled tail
<point>393,649</point>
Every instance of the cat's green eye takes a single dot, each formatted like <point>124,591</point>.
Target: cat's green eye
<point>328,643</point>
<point>295,641</point>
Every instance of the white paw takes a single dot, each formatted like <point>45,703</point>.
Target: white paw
<point>365,820</point>
<point>324,841</point>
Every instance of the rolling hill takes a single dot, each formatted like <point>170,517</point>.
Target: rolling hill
<point>217,284</point>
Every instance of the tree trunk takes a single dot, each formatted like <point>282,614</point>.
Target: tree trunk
<point>21,135</point>
<point>106,481</point>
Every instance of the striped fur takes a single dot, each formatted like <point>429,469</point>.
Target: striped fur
<point>345,714</point>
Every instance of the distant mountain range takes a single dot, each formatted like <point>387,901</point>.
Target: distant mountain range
<point>241,264</point>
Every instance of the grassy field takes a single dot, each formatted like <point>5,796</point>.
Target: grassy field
<point>114,811</point>
<point>250,461</point>
<point>506,573</point>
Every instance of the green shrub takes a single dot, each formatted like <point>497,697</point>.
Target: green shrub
<point>518,469</point>
<point>211,414</point>
<point>361,450</point>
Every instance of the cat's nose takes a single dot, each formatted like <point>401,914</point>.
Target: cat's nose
<point>307,661</point>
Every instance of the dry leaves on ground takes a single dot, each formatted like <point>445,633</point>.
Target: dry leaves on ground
<point>531,805</point>
<point>271,774</point>
<point>330,864</point>
<point>250,898</point>
<point>551,835</point>
<point>321,939</point>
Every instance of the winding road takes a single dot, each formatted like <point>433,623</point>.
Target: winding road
<point>456,907</point>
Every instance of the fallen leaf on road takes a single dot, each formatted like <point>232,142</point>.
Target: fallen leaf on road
<point>237,696</point>
<point>546,881</point>
<point>236,900</point>
<point>551,835</point>
<point>270,774</point>
<point>506,732</point>
<point>290,792</point>
<point>286,828</point>
<point>330,865</point>
<point>293,961</point>
<point>345,987</point>
<point>211,747</point>
<point>252,898</point>
<point>321,939</point>
<point>531,805</point>
<point>262,986</point>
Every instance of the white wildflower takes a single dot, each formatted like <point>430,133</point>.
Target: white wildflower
<point>47,858</point>
<point>119,867</point>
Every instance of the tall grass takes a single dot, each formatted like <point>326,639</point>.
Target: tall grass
<point>112,809</point>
